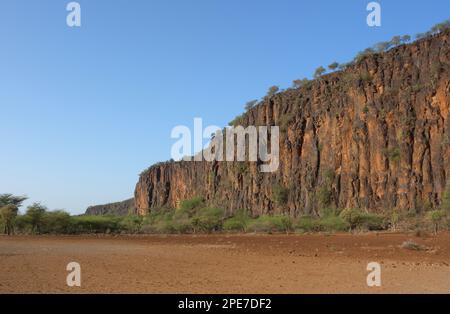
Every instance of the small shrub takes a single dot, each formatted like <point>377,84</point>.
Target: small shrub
<point>285,120</point>
<point>411,245</point>
<point>446,199</point>
<point>332,223</point>
<point>395,218</point>
<point>357,219</point>
<point>270,224</point>
<point>365,77</point>
<point>238,222</point>
<point>131,224</point>
<point>159,221</point>
<point>235,224</point>
<point>372,222</point>
<point>324,196</point>
<point>280,195</point>
<point>190,205</point>
<point>393,154</point>
<point>351,216</point>
<point>208,219</point>
<point>436,217</point>
<point>306,224</point>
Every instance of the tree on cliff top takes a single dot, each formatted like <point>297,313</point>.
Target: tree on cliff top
<point>300,83</point>
<point>333,66</point>
<point>319,72</point>
<point>249,105</point>
<point>272,91</point>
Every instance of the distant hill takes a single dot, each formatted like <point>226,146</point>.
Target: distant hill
<point>120,208</point>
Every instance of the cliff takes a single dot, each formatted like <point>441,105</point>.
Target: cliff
<point>374,136</point>
<point>120,208</point>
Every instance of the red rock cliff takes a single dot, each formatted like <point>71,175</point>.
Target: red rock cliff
<point>375,136</point>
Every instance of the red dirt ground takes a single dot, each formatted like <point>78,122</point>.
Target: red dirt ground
<point>225,263</point>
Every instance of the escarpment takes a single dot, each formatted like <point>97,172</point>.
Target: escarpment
<point>119,208</point>
<point>375,136</point>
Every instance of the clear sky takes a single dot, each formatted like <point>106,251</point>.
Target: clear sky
<point>85,110</point>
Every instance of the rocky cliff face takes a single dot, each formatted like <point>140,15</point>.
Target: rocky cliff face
<point>375,136</point>
<point>120,208</point>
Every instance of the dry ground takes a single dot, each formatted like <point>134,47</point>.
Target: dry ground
<point>224,263</point>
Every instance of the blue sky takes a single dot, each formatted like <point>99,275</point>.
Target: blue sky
<point>85,110</point>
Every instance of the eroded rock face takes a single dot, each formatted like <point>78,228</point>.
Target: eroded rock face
<point>375,136</point>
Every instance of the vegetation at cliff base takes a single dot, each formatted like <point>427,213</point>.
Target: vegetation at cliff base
<point>194,216</point>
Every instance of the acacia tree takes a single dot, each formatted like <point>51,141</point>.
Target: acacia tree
<point>249,105</point>
<point>8,213</point>
<point>35,214</point>
<point>396,40</point>
<point>333,66</point>
<point>436,217</point>
<point>9,199</point>
<point>272,90</point>
<point>319,72</point>
<point>9,207</point>
<point>299,83</point>
<point>382,46</point>
<point>440,27</point>
<point>406,38</point>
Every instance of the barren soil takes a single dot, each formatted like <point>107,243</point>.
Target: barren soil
<point>225,263</point>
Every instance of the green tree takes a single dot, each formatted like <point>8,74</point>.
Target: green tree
<point>249,105</point>
<point>9,199</point>
<point>8,213</point>
<point>446,199</point>
<point>35,214</point>
<point>436,217</point>
<point>300,83</point>
<point>272,90</point>
<point>319,72</point>
<point>406,39</point>
<point>382,46</point>
<point>352,216</point>
<point>57,222</point>
<point>9,206</point>
<point>420,35</point>
<point>396,40</point>
<point>440,27</point>
<point>333,66</point>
